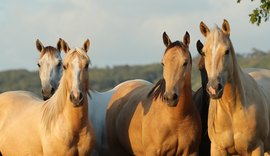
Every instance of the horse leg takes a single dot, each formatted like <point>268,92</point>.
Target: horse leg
<point>215,151</point>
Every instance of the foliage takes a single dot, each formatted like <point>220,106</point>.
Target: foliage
<point>259,13</point>
<point>102,79</point>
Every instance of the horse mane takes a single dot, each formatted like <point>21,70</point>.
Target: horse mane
<point>201,64</point>
<point>159,88</point>
<point>50,48</point>
<point>54,106</point>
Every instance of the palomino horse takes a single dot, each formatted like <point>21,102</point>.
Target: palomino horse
<point>239,111</point>
<point>58,126</point>
<point>97,102</point>
<point>161,119</point>
<point>201,99</point>
<point>50,68</point>
<point>97,106</point>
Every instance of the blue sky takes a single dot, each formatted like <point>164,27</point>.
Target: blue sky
<point>120,31</point>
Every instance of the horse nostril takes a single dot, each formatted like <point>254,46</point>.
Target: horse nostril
<point>165,98</point>
<point>52,90</point>
<point>42,91</point>
<point>175,97</point>
<point>80,96</point>
<point>219,86</point>
<point>71,97</point>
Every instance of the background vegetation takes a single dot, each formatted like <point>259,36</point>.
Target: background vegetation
<point>260,13</point>
<point>102,79</point>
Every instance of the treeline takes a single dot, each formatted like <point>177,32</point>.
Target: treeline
<point>102,79</point>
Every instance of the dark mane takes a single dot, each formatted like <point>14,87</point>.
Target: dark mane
<point>49,48</point>
<point>176,43</point>
<point>181,45</point>
<point>201,64</point>
<point>158,90</point>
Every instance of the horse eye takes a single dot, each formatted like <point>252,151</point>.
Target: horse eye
<point>185,64</point>
<point>38,65</point>
<point>65,67</point>
<point>227,52</point>
<point>162,63</point>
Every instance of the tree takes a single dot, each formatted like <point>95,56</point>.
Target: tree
<point>259,13</point>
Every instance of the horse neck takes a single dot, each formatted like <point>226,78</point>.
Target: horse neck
<point>77,116</point>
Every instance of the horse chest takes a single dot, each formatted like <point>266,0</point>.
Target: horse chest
<point>233,132</point>
<point>166,136</point>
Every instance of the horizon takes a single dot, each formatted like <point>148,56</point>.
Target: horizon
<point>142,64</point>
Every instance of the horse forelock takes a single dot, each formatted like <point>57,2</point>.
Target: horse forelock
<point>175,44</point>
<point>54,106</point>
<point>180,45</point>
<point>76,51</point>
<point>49,50</point>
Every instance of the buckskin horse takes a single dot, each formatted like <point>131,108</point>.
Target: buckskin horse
<point>161,119</point>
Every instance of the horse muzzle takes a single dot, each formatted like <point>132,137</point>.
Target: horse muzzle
<point>215,89</point>
<point>171,99</point>
<point>47,93</point>
<point>76,99</point>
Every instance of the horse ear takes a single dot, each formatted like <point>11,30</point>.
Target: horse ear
<point>64,46</point>
<point>204,29</point>
<point>166,39</point>
<point>59,47</point>
<point>186,39</point>
<point>86,45</point>
<point>226,27</point>
<point>199,46</point>
<point>39,45</point>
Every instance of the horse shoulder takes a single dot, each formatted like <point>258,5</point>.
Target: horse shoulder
<point>19,107</point>
<point>124,113</point>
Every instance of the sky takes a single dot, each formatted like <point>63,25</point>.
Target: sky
<point>120,31</point>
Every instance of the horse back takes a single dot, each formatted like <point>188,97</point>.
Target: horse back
<point>262,88</point>
<point>120,111</point>
<point>18,110</point>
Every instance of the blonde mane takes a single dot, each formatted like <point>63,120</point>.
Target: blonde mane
<point>54,106</point>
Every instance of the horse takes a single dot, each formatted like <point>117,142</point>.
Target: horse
<point>97,106</point>
<point>58,126</point>
<point>160,119</point>
<point>50,68</point>
<point>201,99</point>
<point>97,101</point>
<point>239,111</point>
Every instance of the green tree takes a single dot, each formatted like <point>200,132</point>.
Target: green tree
<point>260,13</point>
